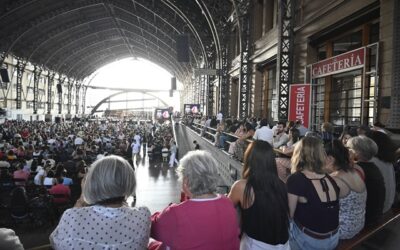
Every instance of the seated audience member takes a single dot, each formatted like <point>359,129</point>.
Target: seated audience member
<point>19,203</point>
<point>280,137</point>
<point>241,143</point>
<point>264,133</point>
<point>40,175</point>
<point>384,160</point>
<point>313,199</point>
<point>223,136</point>
<point>218,133</point>
<point>8,240</point>
<point>327,132</point>
<point>364,149</point>
<point>303,130</point>
<point>165,153</point>
<point>344,137</point>
<point>262,197</point>
<point>353,193</point>
<point>110,223</point>
<point>294,138</point>
<point>240,131</point>
<point>49,179</point>
<point>60,190</point>
<point>378,126</point>
<point>20,174</point>
<point>363,130</point>
<point>11,155</point>
<point>206,220</point>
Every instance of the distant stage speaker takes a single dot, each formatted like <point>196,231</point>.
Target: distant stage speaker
<point>182,48</point>
<point>171,93</point>
<point>173,83</point>
<point>4,75</point>
<point>48,118</point>
<point>59,88</point>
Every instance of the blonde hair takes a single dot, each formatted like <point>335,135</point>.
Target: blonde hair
<point>309,154</point>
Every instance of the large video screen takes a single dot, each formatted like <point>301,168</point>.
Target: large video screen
<point>162,114</point>
<point>191,108</point>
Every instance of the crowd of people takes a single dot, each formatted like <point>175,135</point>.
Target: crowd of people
<point>336,185</point>
<point>42,164</point>
<point>330,189</point>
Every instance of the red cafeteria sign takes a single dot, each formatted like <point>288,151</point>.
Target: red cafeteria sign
<point>299,105</point>
<point>345,62</point>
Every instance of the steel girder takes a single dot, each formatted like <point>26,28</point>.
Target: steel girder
<point>285,55</point>
<point>84,91</point>
<point>50,82</point>
<point>242,9</point>
<point>78,86</point>
<point>36,77</point>
<point>224,87</point>
<point>70,84</point>
<point>210,95</point>
<point>61,81</point>
<point>394,118</point>
<point>21,63</point>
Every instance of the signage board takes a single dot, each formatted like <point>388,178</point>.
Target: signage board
<point>344,62</point>
<point>299,103</point>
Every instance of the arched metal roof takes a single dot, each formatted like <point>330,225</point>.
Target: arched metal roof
<point>76,37</point>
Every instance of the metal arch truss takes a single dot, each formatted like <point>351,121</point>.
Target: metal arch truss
<point>21,63</point>
<point>245,68</point>
<point>224,88</point>
<point>285,55</point>
<point>50,82</point>
<point>36,77</point>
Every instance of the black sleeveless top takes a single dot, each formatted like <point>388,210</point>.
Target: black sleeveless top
<point>272,229</point>
<point>320,217</point>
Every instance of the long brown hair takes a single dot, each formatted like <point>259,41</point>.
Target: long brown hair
<point>309,154</point>
<point>264,187</point>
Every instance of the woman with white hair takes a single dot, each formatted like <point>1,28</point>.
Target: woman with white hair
<point>364,149</point>
<point>101,218</point>
<point>206,220</point>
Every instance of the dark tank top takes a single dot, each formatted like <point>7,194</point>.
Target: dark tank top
<point>264,228</point>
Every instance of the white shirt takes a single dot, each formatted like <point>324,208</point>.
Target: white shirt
<point>98,227</point>
<point>135,148</point>
<point>219,116</point>
<point>137,138</point>
<point>78,141</point>
<point>264,134</point>
<point>40,173</point>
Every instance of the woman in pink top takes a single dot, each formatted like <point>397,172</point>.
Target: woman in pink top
<point>205,221</point>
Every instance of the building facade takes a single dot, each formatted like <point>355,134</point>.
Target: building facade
<point>330,36</point>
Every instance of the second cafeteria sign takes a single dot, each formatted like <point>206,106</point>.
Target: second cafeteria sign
<point>344,62</point>
<point>299,105</point>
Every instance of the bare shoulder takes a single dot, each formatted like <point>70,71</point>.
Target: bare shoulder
<point>239,185</point>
